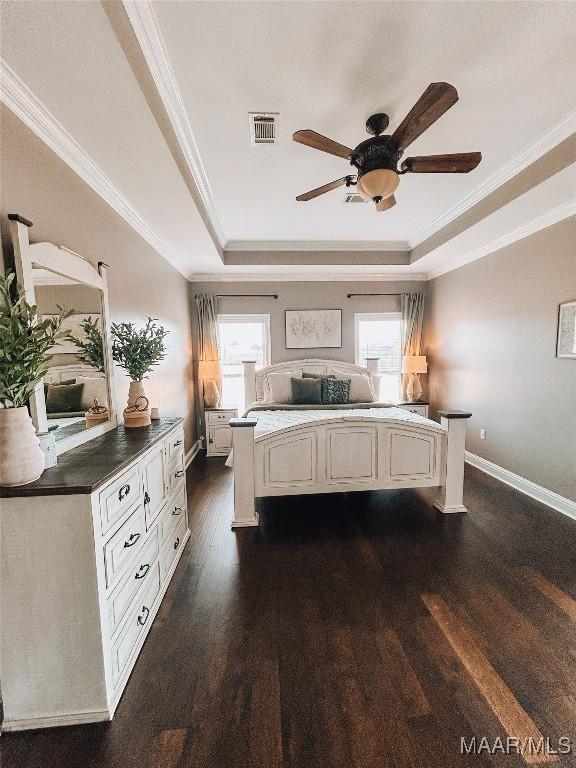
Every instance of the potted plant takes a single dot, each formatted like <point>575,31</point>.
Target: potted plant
<point>25,344</point>
<point>138,351</point>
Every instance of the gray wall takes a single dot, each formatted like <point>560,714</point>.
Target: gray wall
<point>309,295</point>
<point>41,187</point>
<point>491,340</point>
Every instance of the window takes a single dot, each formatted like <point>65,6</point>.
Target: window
<point>379,334</point>
<point>241,337</point>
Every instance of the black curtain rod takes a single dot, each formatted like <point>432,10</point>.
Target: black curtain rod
<point>247,295</point>
<point>351,295</point>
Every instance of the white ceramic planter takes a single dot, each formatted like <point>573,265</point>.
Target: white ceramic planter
<point>21,458</point>
<point>136,415</point>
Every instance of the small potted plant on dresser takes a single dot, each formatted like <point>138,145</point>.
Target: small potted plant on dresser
<point>138,351</point>
<point>25,344</point>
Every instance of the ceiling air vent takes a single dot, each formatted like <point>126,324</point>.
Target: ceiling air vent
<point>263,128</point>
<point>354,197</point>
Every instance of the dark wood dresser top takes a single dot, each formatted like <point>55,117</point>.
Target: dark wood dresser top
<point>86,468</point>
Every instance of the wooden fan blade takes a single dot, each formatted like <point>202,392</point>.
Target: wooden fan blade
<point>321,190</point>
<point>386,204</point>
<point>317,141</point>
<point>457,163</point>
<point>436,99</point>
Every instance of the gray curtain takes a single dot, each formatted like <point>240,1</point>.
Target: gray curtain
<point>207,316</point>
<point>412,308</point>
<point>206,345</point>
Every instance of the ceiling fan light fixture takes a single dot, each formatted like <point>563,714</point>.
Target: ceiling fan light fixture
<point>381,183</point>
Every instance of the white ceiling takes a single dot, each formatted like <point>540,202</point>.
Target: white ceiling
<point>67,55</point>
<point>328,66</point>
<point>322,65</point>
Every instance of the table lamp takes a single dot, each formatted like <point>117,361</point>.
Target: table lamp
<point>413,365</point>
<point>209,371</point>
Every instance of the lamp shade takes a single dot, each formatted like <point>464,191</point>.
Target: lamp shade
<point>209,369</point>
<point>414,364</point>
<point>381,182</point>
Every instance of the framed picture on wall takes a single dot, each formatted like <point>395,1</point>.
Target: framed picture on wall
<point>313,328</point>
<point>566,340</point>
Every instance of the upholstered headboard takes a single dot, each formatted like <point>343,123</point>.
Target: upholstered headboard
<point>255,384</point>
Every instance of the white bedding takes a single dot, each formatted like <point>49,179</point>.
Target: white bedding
<point>270,421</point>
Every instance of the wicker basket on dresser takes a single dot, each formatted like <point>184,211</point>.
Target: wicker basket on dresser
<point>84,570</point>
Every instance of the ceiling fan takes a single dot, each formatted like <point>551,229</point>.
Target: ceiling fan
<point>377,158</point>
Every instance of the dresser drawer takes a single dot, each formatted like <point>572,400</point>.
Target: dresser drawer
<point>137,577</point>
<point>172,514</point>
<point>421,410</point>
<point>221,416</point>
<point>122,547</point>
<point>175,473</point>
<point>172,548</point>
<point>119,496</point>
<point>137,624</point>
<point>175,444</point>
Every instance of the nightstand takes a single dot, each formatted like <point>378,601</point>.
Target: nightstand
<point>218,431</point>
<point>418,406</point>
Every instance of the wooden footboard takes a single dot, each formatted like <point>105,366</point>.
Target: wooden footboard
<point>345,454</point>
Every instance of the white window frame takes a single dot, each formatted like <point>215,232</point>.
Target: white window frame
<point>382,316</point>
<point>248,318</point>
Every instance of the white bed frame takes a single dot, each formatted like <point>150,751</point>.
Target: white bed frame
<point>344,453</point>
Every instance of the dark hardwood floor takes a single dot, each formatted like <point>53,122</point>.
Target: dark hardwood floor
<point>349,631</point>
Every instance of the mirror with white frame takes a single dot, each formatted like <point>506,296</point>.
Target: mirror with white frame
<point>79,365</point>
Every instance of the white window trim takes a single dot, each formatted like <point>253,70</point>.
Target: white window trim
<point>249,318</point>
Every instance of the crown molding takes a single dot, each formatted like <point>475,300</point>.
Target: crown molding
<point>551,217</point>
<point>144,22</point>
<point>311,277</point>
<point>555,136</point>
<point>308,246</point>
<point>16,95</point>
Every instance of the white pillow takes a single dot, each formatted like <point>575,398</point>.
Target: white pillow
<point>280,385</point>
<point>94,389</point>
<point>361,390</point>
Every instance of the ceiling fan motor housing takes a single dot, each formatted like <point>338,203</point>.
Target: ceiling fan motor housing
<point>378,154</point>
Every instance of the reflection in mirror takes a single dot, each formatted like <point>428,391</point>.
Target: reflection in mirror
<point>76,375</point>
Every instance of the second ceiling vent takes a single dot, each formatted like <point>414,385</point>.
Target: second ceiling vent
<point>263,128</point>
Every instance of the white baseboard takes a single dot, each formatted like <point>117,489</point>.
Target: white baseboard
<point>551,499</point>
<point>192,453</point>
<point>55,721</point>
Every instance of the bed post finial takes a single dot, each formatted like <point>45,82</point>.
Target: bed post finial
<point>451,493</point>
<point>245,514</point>
<point>249,382</point>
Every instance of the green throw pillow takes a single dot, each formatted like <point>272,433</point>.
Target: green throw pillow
<point>64,398</point>
<point>306,391</point>
<point>335,391</point>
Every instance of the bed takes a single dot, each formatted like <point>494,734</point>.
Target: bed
<point>286,450</point>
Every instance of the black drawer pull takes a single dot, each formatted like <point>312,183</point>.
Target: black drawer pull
<point>132,539</point>
<point>177,511</point>
<point>123,492</point>
<point>143,618</point>
<point>180,473</point>
<point>177,542</point>
<point>177,443</point>
<point>142,571</point>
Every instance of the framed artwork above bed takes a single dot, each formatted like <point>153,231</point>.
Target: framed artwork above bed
<point>566,340</point>
<point>313,328</point>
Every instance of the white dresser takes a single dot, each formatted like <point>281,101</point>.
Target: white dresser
<point>88,551</point>
<point>218,430</point>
